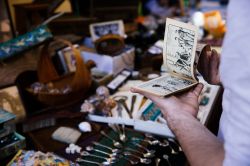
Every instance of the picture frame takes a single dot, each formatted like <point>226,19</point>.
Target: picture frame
<point>67,59</point>
<point>10,100</point>
<point>98,30</point>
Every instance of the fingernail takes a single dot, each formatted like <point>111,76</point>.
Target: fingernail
<point>214,51</point>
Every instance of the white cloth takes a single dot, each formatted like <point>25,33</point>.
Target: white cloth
<point>235,76</point>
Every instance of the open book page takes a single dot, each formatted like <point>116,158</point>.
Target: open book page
<point>179,48</point>
<point>166,85</point>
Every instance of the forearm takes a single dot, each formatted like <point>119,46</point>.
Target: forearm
<point>199,145</point>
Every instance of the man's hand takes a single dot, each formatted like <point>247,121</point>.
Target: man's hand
<point>208,66</point>
<point>186,103</point>
<point>199,145</point>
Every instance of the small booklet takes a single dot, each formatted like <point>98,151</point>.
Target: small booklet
<point>179,57</point>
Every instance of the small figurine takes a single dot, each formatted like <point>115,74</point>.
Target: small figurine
<point>87,107</point>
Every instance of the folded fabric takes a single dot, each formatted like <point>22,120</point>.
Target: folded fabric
<point>66,134</point>
<point>24,42</point>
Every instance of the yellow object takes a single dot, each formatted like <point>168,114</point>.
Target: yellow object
<point>64,7</point>
<point>214,23</point>
<point>15,157</point>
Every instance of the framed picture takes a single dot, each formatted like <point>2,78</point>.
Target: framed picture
<point>6,26</point>
<point>98,30</point>
<point>10,101</point>
<point>67,59</point>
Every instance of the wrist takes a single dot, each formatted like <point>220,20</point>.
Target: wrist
<point>179,118</point>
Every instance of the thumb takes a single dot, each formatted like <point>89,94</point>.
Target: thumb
<point>197,90</point>
<point>150,96</point>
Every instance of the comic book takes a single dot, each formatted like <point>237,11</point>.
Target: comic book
<point>179,57</point>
